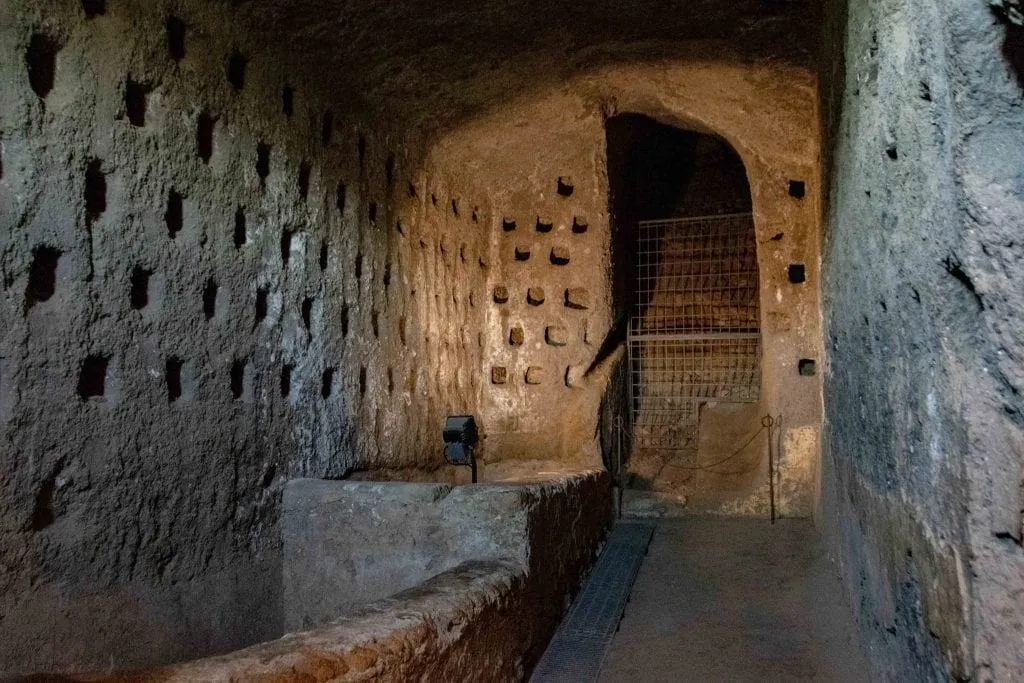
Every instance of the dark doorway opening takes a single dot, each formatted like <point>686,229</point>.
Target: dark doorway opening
<point>686,295</point>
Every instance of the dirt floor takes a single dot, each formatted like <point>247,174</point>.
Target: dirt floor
<point>736,600</point>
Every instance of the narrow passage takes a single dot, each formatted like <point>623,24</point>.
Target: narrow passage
<point>735,600</point>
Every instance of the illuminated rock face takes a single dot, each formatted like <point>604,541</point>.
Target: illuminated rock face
<point>923,468</point>
<point>207,293</point>
<point>245,243</point>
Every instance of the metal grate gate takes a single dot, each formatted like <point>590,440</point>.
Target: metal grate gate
<point>694,333</point>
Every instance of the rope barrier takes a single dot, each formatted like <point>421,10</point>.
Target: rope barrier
<point>768,423</point>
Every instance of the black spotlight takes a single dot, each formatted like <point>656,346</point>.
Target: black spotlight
<point>460,437</point>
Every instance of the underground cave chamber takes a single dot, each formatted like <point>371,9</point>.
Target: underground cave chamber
<point>254,253</point>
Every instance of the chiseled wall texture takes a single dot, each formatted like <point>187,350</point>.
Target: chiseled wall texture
<point>488,618</point>
<point>923,299</point>
<point>549,344</point>
<point>213,279</point>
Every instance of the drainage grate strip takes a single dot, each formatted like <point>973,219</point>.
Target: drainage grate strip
<point>577,649</point>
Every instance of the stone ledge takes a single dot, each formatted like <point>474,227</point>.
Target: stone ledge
<point>430,630</point>
<point>485,619</point>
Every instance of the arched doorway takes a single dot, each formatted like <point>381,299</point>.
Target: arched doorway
<point>686,254</point>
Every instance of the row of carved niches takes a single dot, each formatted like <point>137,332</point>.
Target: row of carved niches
<point>554,335</point>
<point>557,255</point>
<point>536,375</point>
<point>100,377</point>
<point>545,224</point>
<point>577,298</point>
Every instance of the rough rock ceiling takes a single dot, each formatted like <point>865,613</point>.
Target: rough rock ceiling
<point>430,60</point>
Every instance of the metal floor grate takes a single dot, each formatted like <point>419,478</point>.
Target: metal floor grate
<point>577,649</point>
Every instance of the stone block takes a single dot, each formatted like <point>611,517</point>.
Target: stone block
<point>560,256</point>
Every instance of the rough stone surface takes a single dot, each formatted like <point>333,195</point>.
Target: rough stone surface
<point>461,625</point>
<point>346,544</point>
<point>246,242</point>
<point>243,242</point>
<point>764,598</point>
<point>924,309</point>
<point>485,619</point>
<point>270,307</point>
<point>764,113</point>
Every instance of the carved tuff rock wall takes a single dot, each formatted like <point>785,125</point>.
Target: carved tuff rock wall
<point>245,242</point>
<point>923,303</point>
<point>549,346</point>
<point>213,280</point>
<point>249,241</point>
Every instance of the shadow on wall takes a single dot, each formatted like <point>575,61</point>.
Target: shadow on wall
<point>1011,13</point>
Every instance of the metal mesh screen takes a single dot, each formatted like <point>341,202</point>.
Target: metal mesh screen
<point>694,332</point>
